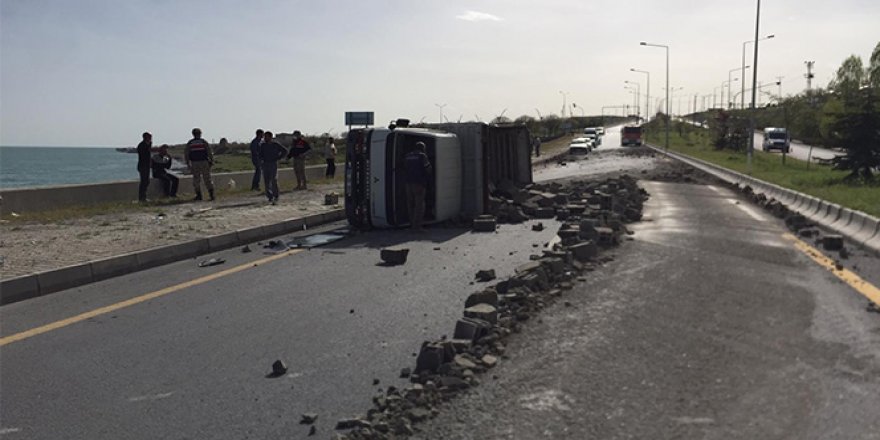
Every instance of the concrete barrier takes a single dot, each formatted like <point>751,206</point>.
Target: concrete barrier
<point>63,196</point>
<point>114,266</point>
<point>19,289</point>
<point>855,225</point>
<point>61,278</point>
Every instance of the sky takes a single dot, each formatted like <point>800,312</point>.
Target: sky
<point>101,72</point>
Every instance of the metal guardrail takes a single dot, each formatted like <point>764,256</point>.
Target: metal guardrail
<point>861,228</point>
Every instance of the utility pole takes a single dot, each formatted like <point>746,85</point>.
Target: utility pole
<point>779,83</point>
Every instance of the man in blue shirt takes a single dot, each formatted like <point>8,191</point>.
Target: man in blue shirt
<point>418,174</point>
<point>255,159</point>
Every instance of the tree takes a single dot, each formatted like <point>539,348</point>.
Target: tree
<point>874,68</point>
<point>853,118</point>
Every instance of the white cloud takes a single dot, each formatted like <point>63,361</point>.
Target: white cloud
<point>478,16</point>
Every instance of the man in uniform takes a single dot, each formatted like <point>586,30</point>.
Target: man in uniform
<point>200,159</point>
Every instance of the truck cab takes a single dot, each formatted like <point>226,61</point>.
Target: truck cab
<point>776,139</point>
<point>631,135</point>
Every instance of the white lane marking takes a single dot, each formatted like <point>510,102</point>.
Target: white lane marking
<point>150,397</point>
<point>4,431</point>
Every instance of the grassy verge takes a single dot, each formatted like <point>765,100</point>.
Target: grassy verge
<point>154,206</point>
<point>816,180</point>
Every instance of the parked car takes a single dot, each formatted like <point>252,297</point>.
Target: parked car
<point>593,135</point>
<point>600,130</point>
<point>580,146</point>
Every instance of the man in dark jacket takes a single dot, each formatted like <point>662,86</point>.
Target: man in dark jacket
<point>270,153</point>
<point>255,159</point>
<point>418,173</point>
<point>161,162</point>
<point>200,159</point>
<point>143,150</point>
<point>298,152</point>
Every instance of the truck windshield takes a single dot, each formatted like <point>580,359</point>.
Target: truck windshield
<point>632,130</point>
<point>777,135</point>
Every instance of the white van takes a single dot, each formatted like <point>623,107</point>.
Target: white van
<point>776,139</point>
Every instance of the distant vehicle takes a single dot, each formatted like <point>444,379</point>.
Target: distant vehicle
<point>593,134</point>
<point>631,135</point>
<point>580,146</point>
<point>776,139</point>
<point>600,130</point>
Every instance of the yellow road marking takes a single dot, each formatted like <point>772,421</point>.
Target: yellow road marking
<point>867,289</point>
<point>139,299</point>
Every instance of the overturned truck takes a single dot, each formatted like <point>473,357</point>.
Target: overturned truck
<point>469,159</point>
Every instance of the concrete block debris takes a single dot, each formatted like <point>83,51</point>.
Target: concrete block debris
<point>394,256</point>
<point>832,242</point>
<point>331,199</point>
<point>211,262</point>
<point>485,223</point>
<point>485,275</point>
<point>593,216</point>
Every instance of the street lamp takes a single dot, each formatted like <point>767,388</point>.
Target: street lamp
<point>754,88</point>
<point>563,103</point>
<point>441,111</point>
<point>638,96</point>
<point>743,69</point>
<point>648,97</point>
<point>729,101</point>
<point>723,85</point>
<point>673,90</point>
<point>667,87</point>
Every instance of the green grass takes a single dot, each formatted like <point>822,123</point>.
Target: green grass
<point>817,180</point>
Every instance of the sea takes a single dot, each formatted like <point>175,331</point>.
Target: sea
<point>27,167</point>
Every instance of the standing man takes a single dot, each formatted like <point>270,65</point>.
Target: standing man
<point>537,144</point>
<point>200,159</point>
<point>161,162</point>
<point>298,152</point>
<point>330,156</point>
<point>255,159</point>
<point>270,153</point>
<point>418,174</point>
<point>143,150</point>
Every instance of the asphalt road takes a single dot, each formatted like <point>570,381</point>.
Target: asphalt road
<point>182,352</point>
<point>708,325</point>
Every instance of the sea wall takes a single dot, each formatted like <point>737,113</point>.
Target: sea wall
<point>62,196</point>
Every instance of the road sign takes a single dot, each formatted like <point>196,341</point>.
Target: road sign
<point>358,118</point>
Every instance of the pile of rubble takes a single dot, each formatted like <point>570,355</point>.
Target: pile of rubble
<point>593,216</point>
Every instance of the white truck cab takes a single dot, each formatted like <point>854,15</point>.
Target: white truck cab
<point>776,139</point>
<point>467,159</point>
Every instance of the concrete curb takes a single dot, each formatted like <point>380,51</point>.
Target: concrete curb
<point>859,227</point>
<point>44,283</point>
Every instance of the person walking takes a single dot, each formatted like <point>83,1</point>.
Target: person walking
<point>255,159</point>
<point>270,153</point>
<point>144,149</point>
<point>298,152</point>
<point>418,173</point>
<point>161,162</point>
<point>330,157</point>
<point>200,159</point>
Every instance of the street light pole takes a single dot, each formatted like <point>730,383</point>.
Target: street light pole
<point>667,87</point>
<point>648,97</point>
<point>441,111</point>
<point>563,103</point>
<point>729,99</point>
<point>754,89</point>
<point>638,97</point>
<point>743,69</point>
